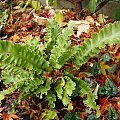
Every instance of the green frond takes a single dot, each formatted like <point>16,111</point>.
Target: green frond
<point>67,101</point>
<point>69,85</point>
<point>59,88</point>
<point>108,35</point>
<point>7,91</point>
<point>67,55</point>
<point>62,45</point>
<point>51,98</point>
<point>28,87</point>
<point>31,85</point>
<point>68,89</point>
<point>64,88</point>
<point>53,31</point>
<point>23,65</point>
<point>43,89</point>
<point>20,55</point>
<point>86,90</point>
<point>14,74</point>
<point>90,100</point>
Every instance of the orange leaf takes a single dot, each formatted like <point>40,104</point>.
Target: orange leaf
<point>15,38</point>
<point>115,78</point>
<point>14,116</point>
<point>104,67</point>
<point>6,116</point>
<point>104,104</point>
<point>115,50</point>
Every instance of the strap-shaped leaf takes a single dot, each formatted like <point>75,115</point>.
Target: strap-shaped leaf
<point>20,55</point>
<point>14,74</point>
<point>108,35</point>
<point>90,100</point>
<point>7,91</point>
<point>53,31</point>
<point>86,90</point>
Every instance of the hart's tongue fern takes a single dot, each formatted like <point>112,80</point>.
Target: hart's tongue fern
<point>24,66</point>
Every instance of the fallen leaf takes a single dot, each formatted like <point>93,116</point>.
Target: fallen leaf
<point>40,20</point>
<point>6,116</point>
<point>83,27</point>
<point>115,50</point>
<point>115,78</point>
<point>14,116</point>
<point>1,109</point>
<point>102,18</point>
<point>103,102</point>
<point>90,20</point>
<point>51,12</point>
<point>59,17</point>
<point>15,38</point>
<point>115,53</point>
<point>104,67</point>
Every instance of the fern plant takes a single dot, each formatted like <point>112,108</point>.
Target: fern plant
<point>24,65</point>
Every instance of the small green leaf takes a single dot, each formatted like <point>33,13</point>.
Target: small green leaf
<point>108,89</point>
<point>92,5</point>
<point>117,13</point>
<point>35,4</point>
<point>106,57</point>
<point>92,117</point>
<point>59,17</point>
<point>72,116</point>
<point>112,114</point>
<point>96,69</point>
<point>112,68</point>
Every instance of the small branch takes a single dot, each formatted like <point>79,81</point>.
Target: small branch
<point>101,5</point>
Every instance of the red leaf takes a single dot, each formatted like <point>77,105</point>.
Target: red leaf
<point>6,116</point>
<point>103,104</point>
